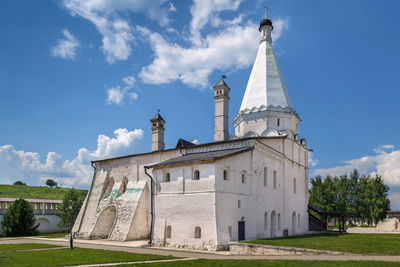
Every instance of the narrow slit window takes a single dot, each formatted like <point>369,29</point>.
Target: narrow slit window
<point>274,182</point>
<point>225,174</point>
<point>169,231</point>
<point>279,122</point>
<point>243,178</point>
<point>197,232</point>
<point>167,177</point>
<point>196,175</point>
<point>265,176</point>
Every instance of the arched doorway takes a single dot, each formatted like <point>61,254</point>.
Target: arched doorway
<point>273,224</point>
<point>104,223</point>
<point>293,223</point>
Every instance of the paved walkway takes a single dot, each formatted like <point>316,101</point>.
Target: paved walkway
<point>368,230</point>
<point>132,262</point>
<point>202,255</point>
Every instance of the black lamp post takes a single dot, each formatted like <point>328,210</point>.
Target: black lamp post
<point>71,242</point>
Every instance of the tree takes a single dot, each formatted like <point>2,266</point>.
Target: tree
<point>19,219</point>
<point>379,199</point>
<point>66,214</point>
<point>51,183</point>
<point>365,198</point>
<point>19,183</point>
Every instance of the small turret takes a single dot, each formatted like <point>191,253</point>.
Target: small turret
<point>157,127</point>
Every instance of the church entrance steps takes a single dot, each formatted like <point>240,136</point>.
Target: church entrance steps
<point>132,262</point>
<point>255,249</point>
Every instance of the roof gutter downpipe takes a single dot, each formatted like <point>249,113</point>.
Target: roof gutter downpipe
<point>88,194</point>
<point>151,204</point>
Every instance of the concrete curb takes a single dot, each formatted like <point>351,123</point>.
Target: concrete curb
<point>256,249</point>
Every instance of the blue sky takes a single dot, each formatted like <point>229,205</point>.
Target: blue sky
<point>80,80</point>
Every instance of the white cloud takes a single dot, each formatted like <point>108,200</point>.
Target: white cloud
<point>203,11</point>
<point>133,96</point>
<point>66,48</point>
<point>385,162</point>
<point>280,25</point>
<point>233,48</point>
<point>311,161</point>
<point>116,94</point>
<point>27,166</point>
<point>195,141</point>
<point>116,31</point>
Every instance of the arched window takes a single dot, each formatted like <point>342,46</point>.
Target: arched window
<point>294,185</point>
<point>274,182</point>
<point>225,174</point>
<point>298,220</point>
<point>265,176</point>
<point>243,178</point>
<point>265,221</point>
<point>279,122</point>
<point>239,204</point>
<point>196,175</point>
<point>279,221</point>
<point>167,177</point>
<point>168,235</point>
<point>230,231</point>
<point>197,232</point>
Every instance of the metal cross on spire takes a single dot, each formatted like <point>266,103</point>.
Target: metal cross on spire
<point>266,11</point>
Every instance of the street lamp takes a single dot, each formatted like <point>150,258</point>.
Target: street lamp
<point>71,242</point>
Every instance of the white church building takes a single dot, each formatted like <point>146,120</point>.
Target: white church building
<point>249,185</point>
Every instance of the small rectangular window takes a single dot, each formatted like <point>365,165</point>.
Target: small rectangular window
<point>244,180</point>
<point>225,175</point>
<point>167,177</point>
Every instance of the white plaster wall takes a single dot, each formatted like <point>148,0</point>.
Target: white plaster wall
<point>183,212</point>
<point>229,192</point>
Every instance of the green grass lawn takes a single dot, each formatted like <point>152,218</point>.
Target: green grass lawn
<point>41,192</point>
<point>62,257</point>
<point>279,263</point>
<point>24,246</point>
<point>55,235</point>
<point>353,243</point>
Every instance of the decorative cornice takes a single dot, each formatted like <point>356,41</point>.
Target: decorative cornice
<point>262,108</point>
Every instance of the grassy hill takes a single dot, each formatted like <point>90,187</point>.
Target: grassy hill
<point>42,192</point>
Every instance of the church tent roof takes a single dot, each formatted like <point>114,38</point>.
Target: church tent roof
<point>266,86</point>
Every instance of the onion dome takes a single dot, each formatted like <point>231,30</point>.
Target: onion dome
<point>265,22</point>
